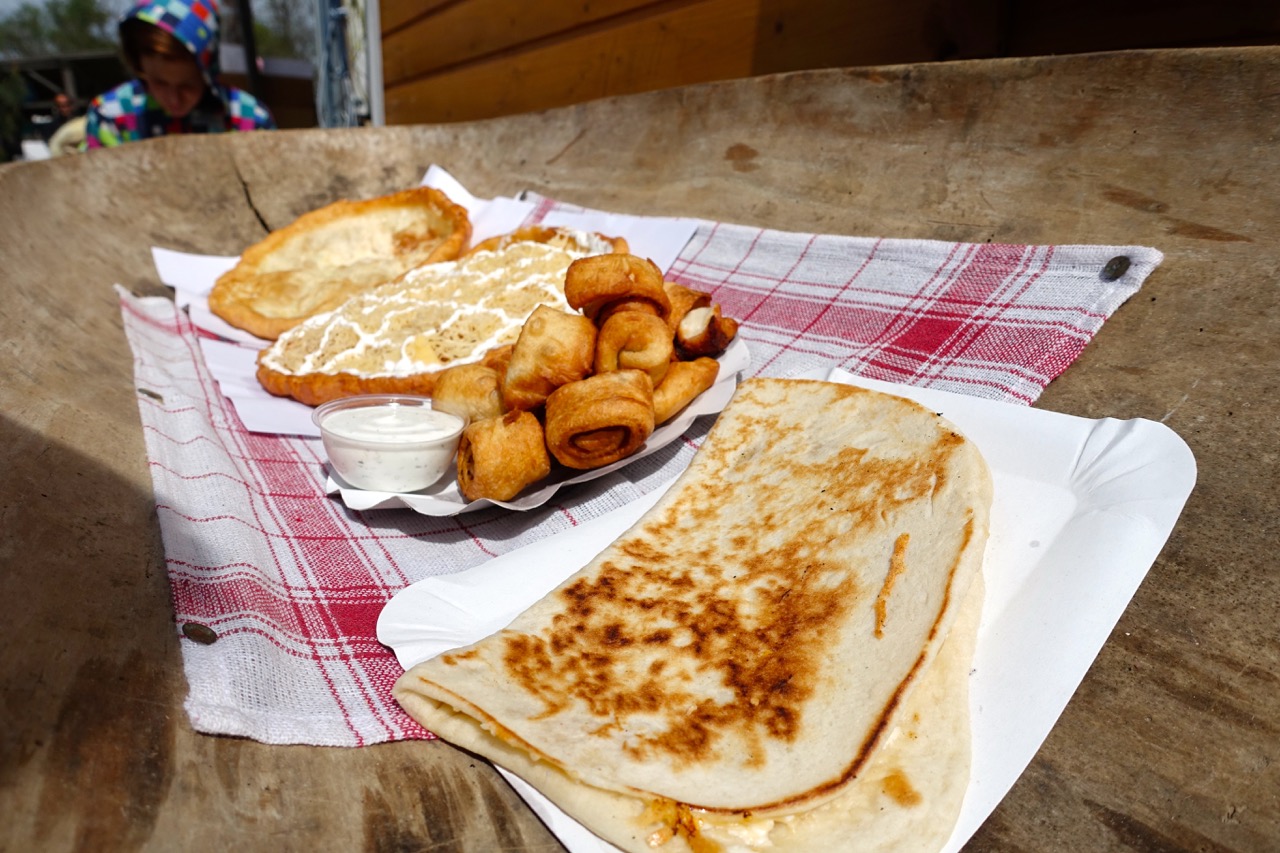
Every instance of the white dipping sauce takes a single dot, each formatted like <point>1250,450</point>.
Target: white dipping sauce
<point>390,447</point>
<point>392,423</point>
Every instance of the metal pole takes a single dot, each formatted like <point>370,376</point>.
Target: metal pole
<point>69,82</point>
<point>373,53</point>
<point>250,48</point>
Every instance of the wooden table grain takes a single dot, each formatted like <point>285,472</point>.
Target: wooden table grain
<point>1171,743</point>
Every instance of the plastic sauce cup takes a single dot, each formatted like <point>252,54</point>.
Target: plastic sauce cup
<point>388,442</point>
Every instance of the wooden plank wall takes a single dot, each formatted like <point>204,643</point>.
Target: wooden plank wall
<point>470,59</point>
<point>455,60</point>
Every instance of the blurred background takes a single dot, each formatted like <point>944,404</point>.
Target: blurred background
<point>341,63</point>
<point>307,59</point>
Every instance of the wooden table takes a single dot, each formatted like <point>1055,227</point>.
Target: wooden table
<point>1171,743</point>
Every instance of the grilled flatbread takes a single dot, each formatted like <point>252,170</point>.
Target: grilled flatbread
<point>316,262</point>
<point>774,657</point>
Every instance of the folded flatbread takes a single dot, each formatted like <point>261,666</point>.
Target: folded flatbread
<point>774,657</point>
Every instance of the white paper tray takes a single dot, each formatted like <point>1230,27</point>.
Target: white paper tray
<point>1081,510</point>
<point>444,498</point>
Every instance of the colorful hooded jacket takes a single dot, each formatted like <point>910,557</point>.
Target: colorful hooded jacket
<point>128,113</point>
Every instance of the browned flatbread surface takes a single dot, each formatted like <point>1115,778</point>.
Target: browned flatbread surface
<point>328,255</point>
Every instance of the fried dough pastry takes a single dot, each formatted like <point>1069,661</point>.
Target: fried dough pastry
<point>683,300</point>
<point>697,324</point>
<point>472,391</point>
<point>623,306</point>
<point>598,386</point>
<point>554,348</point>
<point>635,340</point>
<point>704,332</point>
<point>598,420</point>
<point>594,283</point>
<point>498,457</point>
<point>569,239</point>
<point>498,358</point>
<point>684,381</point>
<point>328,255</point>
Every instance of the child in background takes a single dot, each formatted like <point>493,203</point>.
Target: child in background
<point>171,46</point>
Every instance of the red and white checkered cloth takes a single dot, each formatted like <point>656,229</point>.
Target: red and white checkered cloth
<point>292,582</point>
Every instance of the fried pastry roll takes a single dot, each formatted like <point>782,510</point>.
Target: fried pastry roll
<point>593,283</point>
<point>684,381</point>
<point>634,340</point>
<point>554,348</point>
<point>683,300</point>
<point>498,457</point>
<point>703,331</point>
<point>600,419</point>
<point>471,391</point>
<point>643,306</point>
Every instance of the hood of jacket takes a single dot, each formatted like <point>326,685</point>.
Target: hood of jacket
<point>193,22</point>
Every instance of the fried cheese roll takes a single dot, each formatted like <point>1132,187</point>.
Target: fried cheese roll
<point>634,340</point>
<point>472,391</point>
<point>593,283</point>
<point>499,457</point>
<point>554,348</point>
<point>704,332</point>
<point>601,419</point>
<point>684,381</point>
<point>683,300</point>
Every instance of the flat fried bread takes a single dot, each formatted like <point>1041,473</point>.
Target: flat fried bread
<point>774,657</point>
<point>326,256</point>
<point>396,338</point>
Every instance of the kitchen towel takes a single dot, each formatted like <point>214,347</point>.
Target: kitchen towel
<point>277,587</point>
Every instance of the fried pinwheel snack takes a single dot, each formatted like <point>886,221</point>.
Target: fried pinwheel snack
<point>598,420</point>
<point>498,457</point>
<point>634,340</point>
<point>594,283</point>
